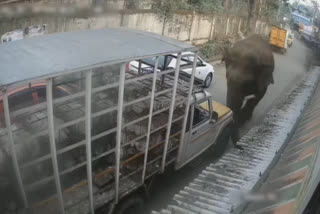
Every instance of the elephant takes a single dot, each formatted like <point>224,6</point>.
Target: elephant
<point>249,72</point>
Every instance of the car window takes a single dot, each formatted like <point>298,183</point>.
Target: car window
<point>200,114</point>
<point>152,61</point>
<point>191,58</point>
<point>185,61</point>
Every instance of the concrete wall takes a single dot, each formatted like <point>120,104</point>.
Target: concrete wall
<point>184,26</point>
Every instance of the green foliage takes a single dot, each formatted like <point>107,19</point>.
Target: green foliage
<point>295,5</point>
<point>271,10</point>
<point>215,47</point>
<point>205,6</point>
<point>240,7</point>
<point>166,8</point>
<point>132,4</point>
<point>272,7</point>
<point>209,50</point>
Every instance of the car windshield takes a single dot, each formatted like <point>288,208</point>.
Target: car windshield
<point>185,60</point>
<point>152,61</point>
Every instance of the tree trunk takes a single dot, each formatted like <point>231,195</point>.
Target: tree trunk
<point>228,4</point>
<point>251,6</point>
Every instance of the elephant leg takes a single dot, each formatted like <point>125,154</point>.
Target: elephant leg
<point>234,102</point>
<point>235,134</point>
<point>247,111</point>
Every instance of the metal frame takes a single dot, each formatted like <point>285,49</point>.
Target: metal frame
<point>46,73</point>
<point>173,99</point>
<point>88,88</point>
<point>87,93</point>
<point>83,142</point>
<point>185,121</point>
<point>150,118</point>
<point>12,147</point>
<point>53,144</point>
<point>119,128</point>
<point>203,123</point>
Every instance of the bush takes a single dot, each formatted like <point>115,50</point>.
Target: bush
<point>216,47</point>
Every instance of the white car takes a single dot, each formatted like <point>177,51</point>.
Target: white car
<point>204,71</point>
<point>31,31</point>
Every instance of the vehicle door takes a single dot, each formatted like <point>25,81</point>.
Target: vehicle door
<point>200,132</point>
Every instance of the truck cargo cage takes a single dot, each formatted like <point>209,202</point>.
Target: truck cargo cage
<point>82,133</point>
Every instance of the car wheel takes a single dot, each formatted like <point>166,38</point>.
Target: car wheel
<point>207,81</point>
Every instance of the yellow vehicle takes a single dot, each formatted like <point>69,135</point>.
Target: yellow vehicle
<point>278,38</point>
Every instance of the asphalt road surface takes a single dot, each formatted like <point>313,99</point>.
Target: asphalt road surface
<point>289,69</point>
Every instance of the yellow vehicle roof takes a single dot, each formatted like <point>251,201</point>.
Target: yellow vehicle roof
<point>221,109</point>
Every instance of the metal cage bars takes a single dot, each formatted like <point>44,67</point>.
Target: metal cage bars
<point>83,142</point>
<point>119,128</point>
<point>12,147</point>
<point>53,145</point>
<point>88,87</point>
<point>88,116</point>
<point>154,81</point>
<point>185,121</point>
<point>173,99</point>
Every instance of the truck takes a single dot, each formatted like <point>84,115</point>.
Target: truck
<point>80,132</point>
<point>278,39</point>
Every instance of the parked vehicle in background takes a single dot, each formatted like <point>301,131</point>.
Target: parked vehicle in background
<point>278,39</point>
<point>82,133</point>
<point>31,31</point>
<point>204,75</point>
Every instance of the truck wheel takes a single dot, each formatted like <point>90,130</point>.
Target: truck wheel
<point>207,81</point>
<point>222,142</point>
<point>131,205</point>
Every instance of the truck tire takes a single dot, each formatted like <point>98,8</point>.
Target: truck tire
<point>222,142</point>
<point>132,205</point>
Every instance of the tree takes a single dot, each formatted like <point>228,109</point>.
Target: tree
<point>206,6</point>
<point>251,6</point>
<point>272,10</point>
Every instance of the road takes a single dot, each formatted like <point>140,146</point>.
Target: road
<point>289,68</point>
